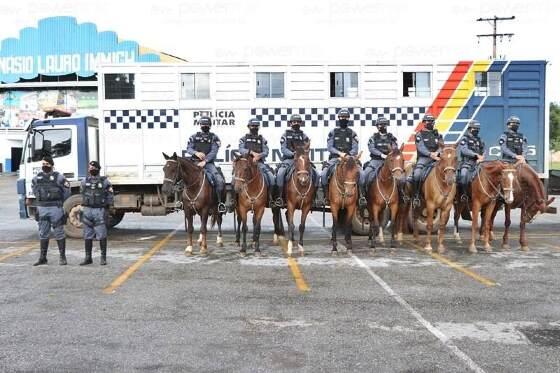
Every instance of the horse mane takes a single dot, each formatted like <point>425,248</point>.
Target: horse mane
<point>531,180</point>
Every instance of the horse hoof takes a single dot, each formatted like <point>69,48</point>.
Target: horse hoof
<point>258,253</point>
<point>488,249</point>
<point>472,249</point>
<point>349,252</point>
<point>506,247</point>
<point>400,237</point>
<point>243,254</point>
<point>525,248</point>
<point>441,249</point>
<point>290,247</point>
<point>275,239</point>
<point>428,249</point>
<point>220,241</point>
<point>189,250</point>
<point>334,253</point>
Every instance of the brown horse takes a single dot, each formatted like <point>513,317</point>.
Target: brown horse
<point>490,180</point>
<point>343,194</point>
<point>197,197</point>
<point>438,191</point>
<point>529,196</point>
<point>252,194</point>
<point>383,193</point>
<point>300,193</point>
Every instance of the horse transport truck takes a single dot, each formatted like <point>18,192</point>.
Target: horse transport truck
<point>149,108</point>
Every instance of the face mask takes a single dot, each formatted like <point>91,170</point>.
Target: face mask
<point>430,126</point>
<point>343,123</point>
<point>295,127</point>
<point>46,169</point>
<point>94,172</point>
<point>254,131</point>
<point>474,132</point>
<point>205,129</point>
<point>383,129</point>
<point>513,127</point>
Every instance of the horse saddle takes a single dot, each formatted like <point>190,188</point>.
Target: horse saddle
<point>426,171</point>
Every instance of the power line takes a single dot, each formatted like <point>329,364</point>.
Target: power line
<point>494,22</point>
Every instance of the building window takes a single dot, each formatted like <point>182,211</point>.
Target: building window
<point>195,86</point>
<point>488,83</point>
<point>270,85</point>
<point>119,86</point>
<point>416,84</point>
<point>344,84</point>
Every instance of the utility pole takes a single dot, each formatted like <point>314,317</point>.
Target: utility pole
<point>494,21</point>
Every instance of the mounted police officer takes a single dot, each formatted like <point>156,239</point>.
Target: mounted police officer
<point>97,197</point>
<point>471,150</point>
<point>256,145</point>
<point>203,147</point>
<point>341,141</point>
<point>290,140</point>
<point>380,145</point>
<point>512,143</point>
<point>428,141</point>
<point>51,190</point>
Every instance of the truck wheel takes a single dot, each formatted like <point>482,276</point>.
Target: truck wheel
<point>74,227</point>
<point>363,229</point>
<point>115,218</point>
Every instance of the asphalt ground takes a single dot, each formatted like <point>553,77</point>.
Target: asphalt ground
<point>152,308</point>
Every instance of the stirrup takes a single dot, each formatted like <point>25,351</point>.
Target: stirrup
<point>416,201</point>
<point>362,201</point>
<point>464,198</point>
<point>278,202</point>
<point>221,208</point>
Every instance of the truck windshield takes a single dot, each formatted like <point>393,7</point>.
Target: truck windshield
<point>53,142</point>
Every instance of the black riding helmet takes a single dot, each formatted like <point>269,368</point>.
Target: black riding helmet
<point>295,119</point>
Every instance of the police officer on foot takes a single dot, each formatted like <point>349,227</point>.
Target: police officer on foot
<point>256,145</point>
<point>97,197</point>
<point>512,143</point>
<point>203,147</point>
<point>51,190</point>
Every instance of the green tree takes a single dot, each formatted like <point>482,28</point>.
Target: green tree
<point>554,126</point>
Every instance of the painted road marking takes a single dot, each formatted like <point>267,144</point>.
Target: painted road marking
<point>292,263</point>
<point>143,259</point>
<point>22,251</point>
<point>483,280</point>
<point>431,328</point>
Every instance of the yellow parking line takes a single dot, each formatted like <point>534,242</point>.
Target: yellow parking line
<point>143,259</point>
<point>456,266</point>
<point>292,263</point>
<point>23,250</point>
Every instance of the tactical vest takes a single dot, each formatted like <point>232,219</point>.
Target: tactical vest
<point>430,140</point>
<point>343,139</point>
<point>382,142</point>
<point>93,194</point>
<point>294,139</point>
<point>475,144</point>
<point>254,143</point>
<point>203,142</point>
<point>49,193</point>
<point>514,142</point>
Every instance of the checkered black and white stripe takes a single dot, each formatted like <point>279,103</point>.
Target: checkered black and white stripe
<point>141,119</point>
<point>326,117</point>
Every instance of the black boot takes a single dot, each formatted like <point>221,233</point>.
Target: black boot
<point>279,197</point>
<point>103,247</point>
<point>271,194</point>
<point>416,194</point>
<point>43,254</point>
<point>326,201</point>
<point>62,250</point>
<point>362,201</point>
<point>222,208</point>
<point>88,247</point>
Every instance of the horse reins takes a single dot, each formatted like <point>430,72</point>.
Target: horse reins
<point>192,201</point>
<point>252,200</point>
<point>393,170</point>
<point>343,194</point>
<point>302,196</point>
<point>445,170</point>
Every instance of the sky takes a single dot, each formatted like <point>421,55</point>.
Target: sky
<point>325,31</point>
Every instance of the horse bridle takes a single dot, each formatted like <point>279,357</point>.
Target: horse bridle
<point>302,196</point>
<point>496,188</point>
<point>252,200</point>
<point>342,193</point>
<point>192,201</point>
<point>393,170</point>
<point>444,172</point>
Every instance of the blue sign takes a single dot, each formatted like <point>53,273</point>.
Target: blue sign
<point>59,46</point>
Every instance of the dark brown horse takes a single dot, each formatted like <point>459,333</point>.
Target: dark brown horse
<point>438,192</point>
<point>492,180</point>
<point>383,194</point>
<point>343,194</point>
<point>529,196</point>
<point>197,197</point>
<point>300,192</point>
<point>252,194</point>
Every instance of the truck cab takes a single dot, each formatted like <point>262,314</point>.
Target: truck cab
<point>72,142</point>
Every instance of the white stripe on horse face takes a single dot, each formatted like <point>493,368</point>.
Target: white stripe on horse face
<point>302,161</point>
<point>510,177</point>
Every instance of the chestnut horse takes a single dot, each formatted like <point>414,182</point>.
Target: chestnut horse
<point>343,194</point>
<point>492,180</point>
<point>300,193</point>
<point>438,192</point>
<point>197,197</point>
<point>252,194</point>
<point>383,193</point>
<point>529,196</point>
